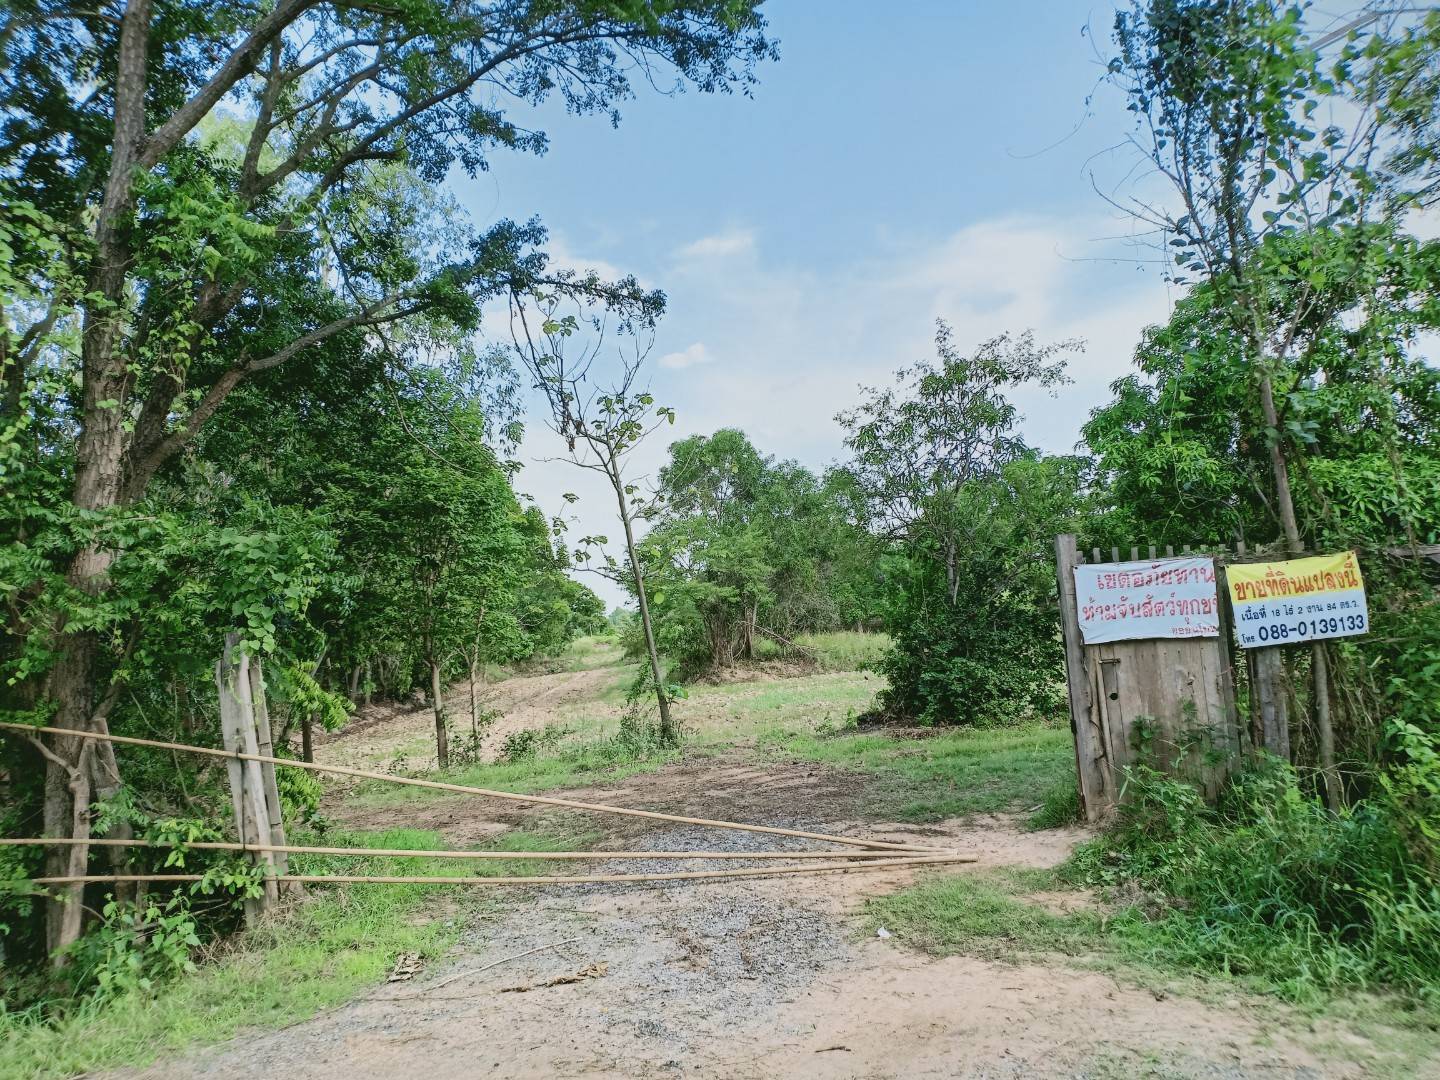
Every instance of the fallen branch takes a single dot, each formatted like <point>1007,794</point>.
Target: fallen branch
<point>590,971</point>
<point>485,967</point>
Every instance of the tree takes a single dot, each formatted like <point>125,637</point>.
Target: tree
<point>600,425</point>
<point>947,426</point>
<point>967,505</point>
<point>1270,204</point>
<point>196,270</point>
<point>742,545</point>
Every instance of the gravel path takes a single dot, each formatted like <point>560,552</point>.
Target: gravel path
<point>755,978</point>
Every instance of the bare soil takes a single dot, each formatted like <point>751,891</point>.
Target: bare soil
<point>758,978</point>
<point>384,732</point>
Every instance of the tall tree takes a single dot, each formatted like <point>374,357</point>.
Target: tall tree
<point>601,423</point>
<point>1269,202</point>
<point>970,511</point>
<point>186,272</point>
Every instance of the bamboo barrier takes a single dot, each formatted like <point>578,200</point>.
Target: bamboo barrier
<point>559,879</point>
<point>437,785</point>
<point>293,849</point>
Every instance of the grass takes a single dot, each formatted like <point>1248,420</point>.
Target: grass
<point>980,915</point>
<point>840,650</point>
<point>948,774</point>
<point>327,949</point>
<point>588,653</point>
<point>1059,806</point>
<point>988,916</point>
<point>572,765</point>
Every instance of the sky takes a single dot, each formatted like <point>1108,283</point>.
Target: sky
<point>900,163</point>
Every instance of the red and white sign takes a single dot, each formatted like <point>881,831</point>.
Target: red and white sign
<point>1169,598</point>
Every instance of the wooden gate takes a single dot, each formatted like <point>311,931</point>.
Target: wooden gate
<point>1169,703</point>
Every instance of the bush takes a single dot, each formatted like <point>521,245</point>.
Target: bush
<point>1270,885</point>
<point>530,743</point>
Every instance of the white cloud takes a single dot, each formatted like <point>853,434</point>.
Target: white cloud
<point>720,245</point>
<point>690,356</point>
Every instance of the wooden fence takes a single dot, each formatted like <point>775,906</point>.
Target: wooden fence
<point>1168,702</point>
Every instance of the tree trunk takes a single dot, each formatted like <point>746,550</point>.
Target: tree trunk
<point>1325,732</point>
<point>67,814</point>
<point>1320,665</point>
<point>474,703</point>
<point>437,699</point>
<point>307,738</point>
<point>669,732</point>
<point>99,458</point>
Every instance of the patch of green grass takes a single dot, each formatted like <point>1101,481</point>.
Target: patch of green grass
<point>838,650</point>
<point>846,650</point>
<point>979,916</point>
<point>743,709</point>
<point>590,652</point>
<point>950,774</point>
<point>1059,806</point>
<point>571,766</point>
<point>320,954</point>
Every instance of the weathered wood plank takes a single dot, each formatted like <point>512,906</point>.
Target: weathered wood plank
<point>1089,770</point>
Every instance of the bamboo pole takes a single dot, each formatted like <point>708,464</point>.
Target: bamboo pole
<point>570,879</point>
<point>436,785</point>
<point>217,845</point>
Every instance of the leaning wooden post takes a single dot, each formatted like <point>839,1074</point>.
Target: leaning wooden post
<point>264,739</point>
<point>247,788</point>
<point>1087,749</point>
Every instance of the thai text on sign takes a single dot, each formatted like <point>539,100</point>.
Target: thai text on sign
<point>1298,600</point>
<point>1169,598</point>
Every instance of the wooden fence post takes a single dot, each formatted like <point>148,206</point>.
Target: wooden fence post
<point>1088,749</point>
<point>247,784</point>
<point>265,741</point>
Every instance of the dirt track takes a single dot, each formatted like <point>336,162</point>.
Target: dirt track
<point>525,702</point>
<point>752,979</point>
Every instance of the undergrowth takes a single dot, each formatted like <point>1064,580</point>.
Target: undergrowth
<point>1269,886</point>
<point>319,954</point>
<point>950,773</point>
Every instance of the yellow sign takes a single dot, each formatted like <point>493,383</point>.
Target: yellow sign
<point>1298,600</point>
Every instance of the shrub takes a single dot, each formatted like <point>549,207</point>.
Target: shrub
<point>530,743</point>
<point>1270,885</point>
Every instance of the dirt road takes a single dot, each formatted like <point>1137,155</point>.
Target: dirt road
<point>754,979</point>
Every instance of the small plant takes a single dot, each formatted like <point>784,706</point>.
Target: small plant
<point>133,947</point>
<point>528,744</point>
<point>1269,885</point>
<point>1059,807</point>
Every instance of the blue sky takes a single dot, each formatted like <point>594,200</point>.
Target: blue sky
<point>901,162</point>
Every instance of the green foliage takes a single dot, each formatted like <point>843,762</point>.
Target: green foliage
<point>319,956</point>
<point>976,635</point>
<point>743,548</point>
<point>528,743</point>
<point>970,591</point>
<point>132,949</point>
<point>1270,886</point>
<point>1182,448</point>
